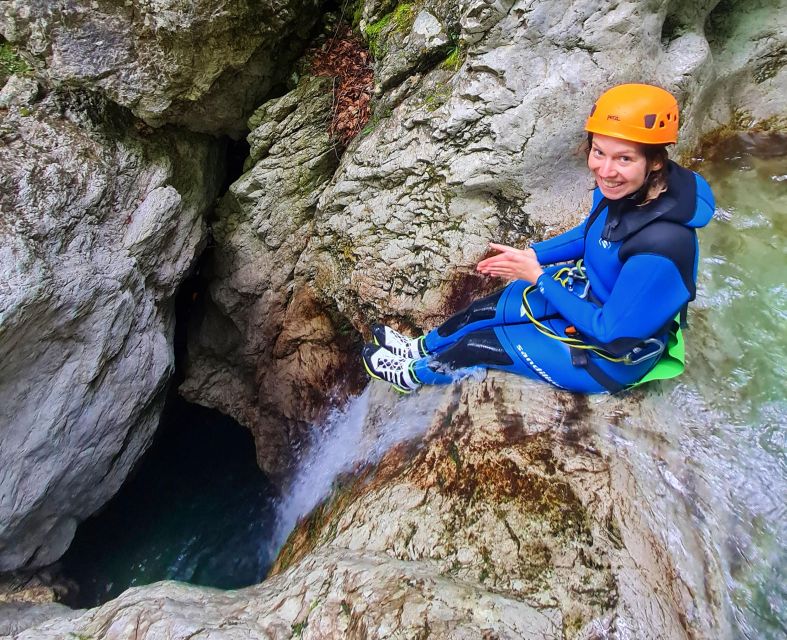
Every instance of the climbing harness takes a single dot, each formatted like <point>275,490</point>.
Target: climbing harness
<point>669,353</point>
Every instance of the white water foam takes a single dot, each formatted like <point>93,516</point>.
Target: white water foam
<point>340,446</point>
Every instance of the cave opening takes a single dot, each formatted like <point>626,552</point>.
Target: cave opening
<point>197,508</point>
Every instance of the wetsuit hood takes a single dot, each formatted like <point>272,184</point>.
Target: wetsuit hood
<point>684,203</point>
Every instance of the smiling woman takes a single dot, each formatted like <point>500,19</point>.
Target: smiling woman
<point>620,167</point>
<point>601,315</point>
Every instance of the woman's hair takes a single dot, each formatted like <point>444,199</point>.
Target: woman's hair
<point>656,180</point>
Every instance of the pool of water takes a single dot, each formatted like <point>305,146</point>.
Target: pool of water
<point>713,446</point>
<point>195,511</point>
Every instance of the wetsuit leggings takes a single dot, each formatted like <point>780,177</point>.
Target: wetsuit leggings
<point>494,332</point>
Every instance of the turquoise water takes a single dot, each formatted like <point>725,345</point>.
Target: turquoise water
<point>195,511</point>
<point>738,370</point>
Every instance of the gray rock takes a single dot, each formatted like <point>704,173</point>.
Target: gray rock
<point>520,515</point>
<point>204,65</point>
<point>490,151</point>
<point>409,38</point>
<point>15,617</point>
<point>99,224</point>
<point>262,348</point>
<point>18,91</point>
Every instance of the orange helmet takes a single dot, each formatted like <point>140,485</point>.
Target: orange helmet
<point>635,112</point>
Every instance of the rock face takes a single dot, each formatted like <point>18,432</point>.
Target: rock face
<point>262,348</point>
<point>99,224</point>
<point>514,518</point>
<point>489,151</point>
<point>204,65</point>
<point>474,138</point>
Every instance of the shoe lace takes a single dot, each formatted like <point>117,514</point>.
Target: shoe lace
<point>399,343</point>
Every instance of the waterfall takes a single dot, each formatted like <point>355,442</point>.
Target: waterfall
<point>346,440</point>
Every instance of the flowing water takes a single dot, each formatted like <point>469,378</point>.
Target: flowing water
<point>725,451</point>
<point>738,379</point>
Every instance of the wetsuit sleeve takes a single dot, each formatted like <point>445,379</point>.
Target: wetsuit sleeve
<point>569,245</point>
<point>648,293</point>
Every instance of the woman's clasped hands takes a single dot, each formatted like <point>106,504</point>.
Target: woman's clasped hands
<point>511,263</point>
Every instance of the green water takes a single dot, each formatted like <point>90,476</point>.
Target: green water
<point>196,510</point>
<point>737,373</point>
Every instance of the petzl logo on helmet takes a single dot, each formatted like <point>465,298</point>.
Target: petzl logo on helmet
<point>613,117</point>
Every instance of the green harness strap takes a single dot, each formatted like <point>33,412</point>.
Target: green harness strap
<point>672,362</point>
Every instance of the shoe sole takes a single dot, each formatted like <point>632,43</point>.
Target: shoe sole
<point>401,390</point>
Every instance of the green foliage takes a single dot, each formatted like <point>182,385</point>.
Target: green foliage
<point>400,20</point>
<point>298,628</point>
<point>10,62</point>
<point>454,58</point>
<point>374,36</point>
<point>404,16</point>
<point>358,13</point>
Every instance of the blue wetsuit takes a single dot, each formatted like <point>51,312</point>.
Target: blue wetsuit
<point>641,266</point>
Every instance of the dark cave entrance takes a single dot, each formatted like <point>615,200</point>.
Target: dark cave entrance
<point>196,508</point>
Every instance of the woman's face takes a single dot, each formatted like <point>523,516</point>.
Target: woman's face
<point>619,166</point>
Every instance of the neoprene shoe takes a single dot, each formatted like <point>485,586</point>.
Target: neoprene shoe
<point>398,343</point>
<point>381,364</point>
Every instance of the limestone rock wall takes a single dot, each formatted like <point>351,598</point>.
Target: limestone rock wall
<point>475,137</point>
<point>485,144</point>
<point>204,65</point>
<point>100,221</point>
<point>261,347</point>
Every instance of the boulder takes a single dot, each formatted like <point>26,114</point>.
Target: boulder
<point>27,600</point>
<point>100,222</point>
<point>204,65</point>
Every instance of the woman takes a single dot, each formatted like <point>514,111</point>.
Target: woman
<point>601,322</point>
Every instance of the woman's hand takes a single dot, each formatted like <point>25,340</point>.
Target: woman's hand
<point>511,263</point>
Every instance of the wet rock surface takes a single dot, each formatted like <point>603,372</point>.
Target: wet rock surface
<point>513,518</point>
<point>204,65</point>
<point>474,138</point>
<point>99,224</point>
